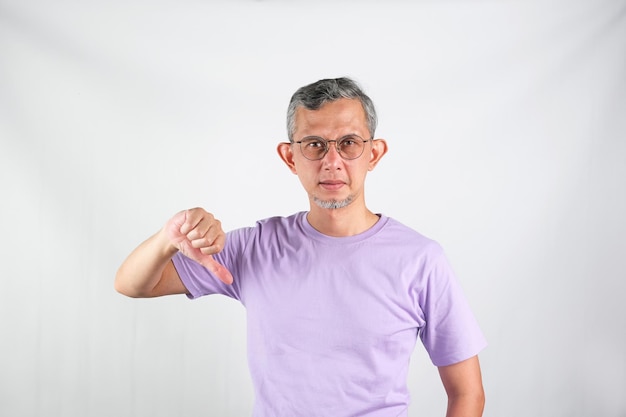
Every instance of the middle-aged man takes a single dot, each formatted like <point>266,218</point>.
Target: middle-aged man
<point>337,296</point>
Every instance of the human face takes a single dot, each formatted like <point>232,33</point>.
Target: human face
<point>332,182</point>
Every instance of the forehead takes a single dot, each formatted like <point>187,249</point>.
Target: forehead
<point>335,118</point>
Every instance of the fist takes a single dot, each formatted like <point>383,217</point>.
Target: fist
<point>198,235</point>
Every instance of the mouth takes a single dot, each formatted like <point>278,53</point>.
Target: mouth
<point>332,185</point>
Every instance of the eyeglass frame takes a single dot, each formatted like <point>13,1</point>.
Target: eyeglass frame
<point>327,146</point>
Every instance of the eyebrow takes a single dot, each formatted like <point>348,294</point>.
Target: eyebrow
<point>322,137</point>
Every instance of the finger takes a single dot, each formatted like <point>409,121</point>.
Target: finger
<point>185,225</point>
<point>206,245</point>
<point>196,222</point>
<point>200,230</point>
<point>208,233</point>
<point>174,225</point>
<point>217,269</point>
<point>209,245</point>
<point>213,242</point>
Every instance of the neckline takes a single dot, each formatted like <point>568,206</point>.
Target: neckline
<point>341,240</point>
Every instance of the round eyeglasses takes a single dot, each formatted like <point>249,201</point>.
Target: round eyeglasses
<point>315,148</point>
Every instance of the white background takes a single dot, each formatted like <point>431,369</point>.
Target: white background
<point>506,123</point>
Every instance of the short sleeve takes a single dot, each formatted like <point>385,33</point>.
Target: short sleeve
<point>451,333</point>
<point>199,281</point>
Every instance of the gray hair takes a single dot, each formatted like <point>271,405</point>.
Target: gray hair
<point>314,95</point>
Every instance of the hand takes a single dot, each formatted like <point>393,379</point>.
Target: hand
<point>198,235</point>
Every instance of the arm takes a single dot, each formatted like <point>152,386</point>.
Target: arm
<point>149,272</point>
<point>463,384</point>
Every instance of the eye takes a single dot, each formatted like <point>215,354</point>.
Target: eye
<point>349,141</point>
<point>313,143</point>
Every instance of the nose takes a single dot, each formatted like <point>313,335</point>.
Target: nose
<point>332,159</point>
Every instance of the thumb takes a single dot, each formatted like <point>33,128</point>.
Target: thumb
<point>217,269</point>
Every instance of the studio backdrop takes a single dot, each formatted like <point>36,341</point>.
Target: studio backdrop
<point>506,125</point>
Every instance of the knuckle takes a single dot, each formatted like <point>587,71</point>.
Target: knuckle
<point>201,242</point>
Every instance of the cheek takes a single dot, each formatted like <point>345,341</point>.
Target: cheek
<point>305,174</point>
<point>362,168</point>
<point>307,177</point>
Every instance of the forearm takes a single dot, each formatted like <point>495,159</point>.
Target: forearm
<point>141,272</point>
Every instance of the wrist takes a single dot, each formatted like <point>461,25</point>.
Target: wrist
<point>167,247</point>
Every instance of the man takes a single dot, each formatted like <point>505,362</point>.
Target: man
<point>336,297</point>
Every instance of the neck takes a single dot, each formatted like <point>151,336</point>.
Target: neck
<point>340,222</point>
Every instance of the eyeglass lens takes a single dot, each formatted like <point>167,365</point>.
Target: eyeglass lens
<point>349,147</point>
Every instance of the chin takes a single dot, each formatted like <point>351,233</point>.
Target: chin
<point>333,204</point>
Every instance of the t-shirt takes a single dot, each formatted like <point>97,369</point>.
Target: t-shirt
<point>332,321</point>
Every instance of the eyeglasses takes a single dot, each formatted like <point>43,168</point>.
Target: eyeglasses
<point>315,148</point>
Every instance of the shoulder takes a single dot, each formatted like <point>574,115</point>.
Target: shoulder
<point>271,228</point>
<point>397,234</point>
<point>279,222</point>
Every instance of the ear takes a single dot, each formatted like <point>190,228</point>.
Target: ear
<point>379,149</point>
<point>286,154</point>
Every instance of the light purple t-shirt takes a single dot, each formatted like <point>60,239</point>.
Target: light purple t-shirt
<point>332,321</point>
